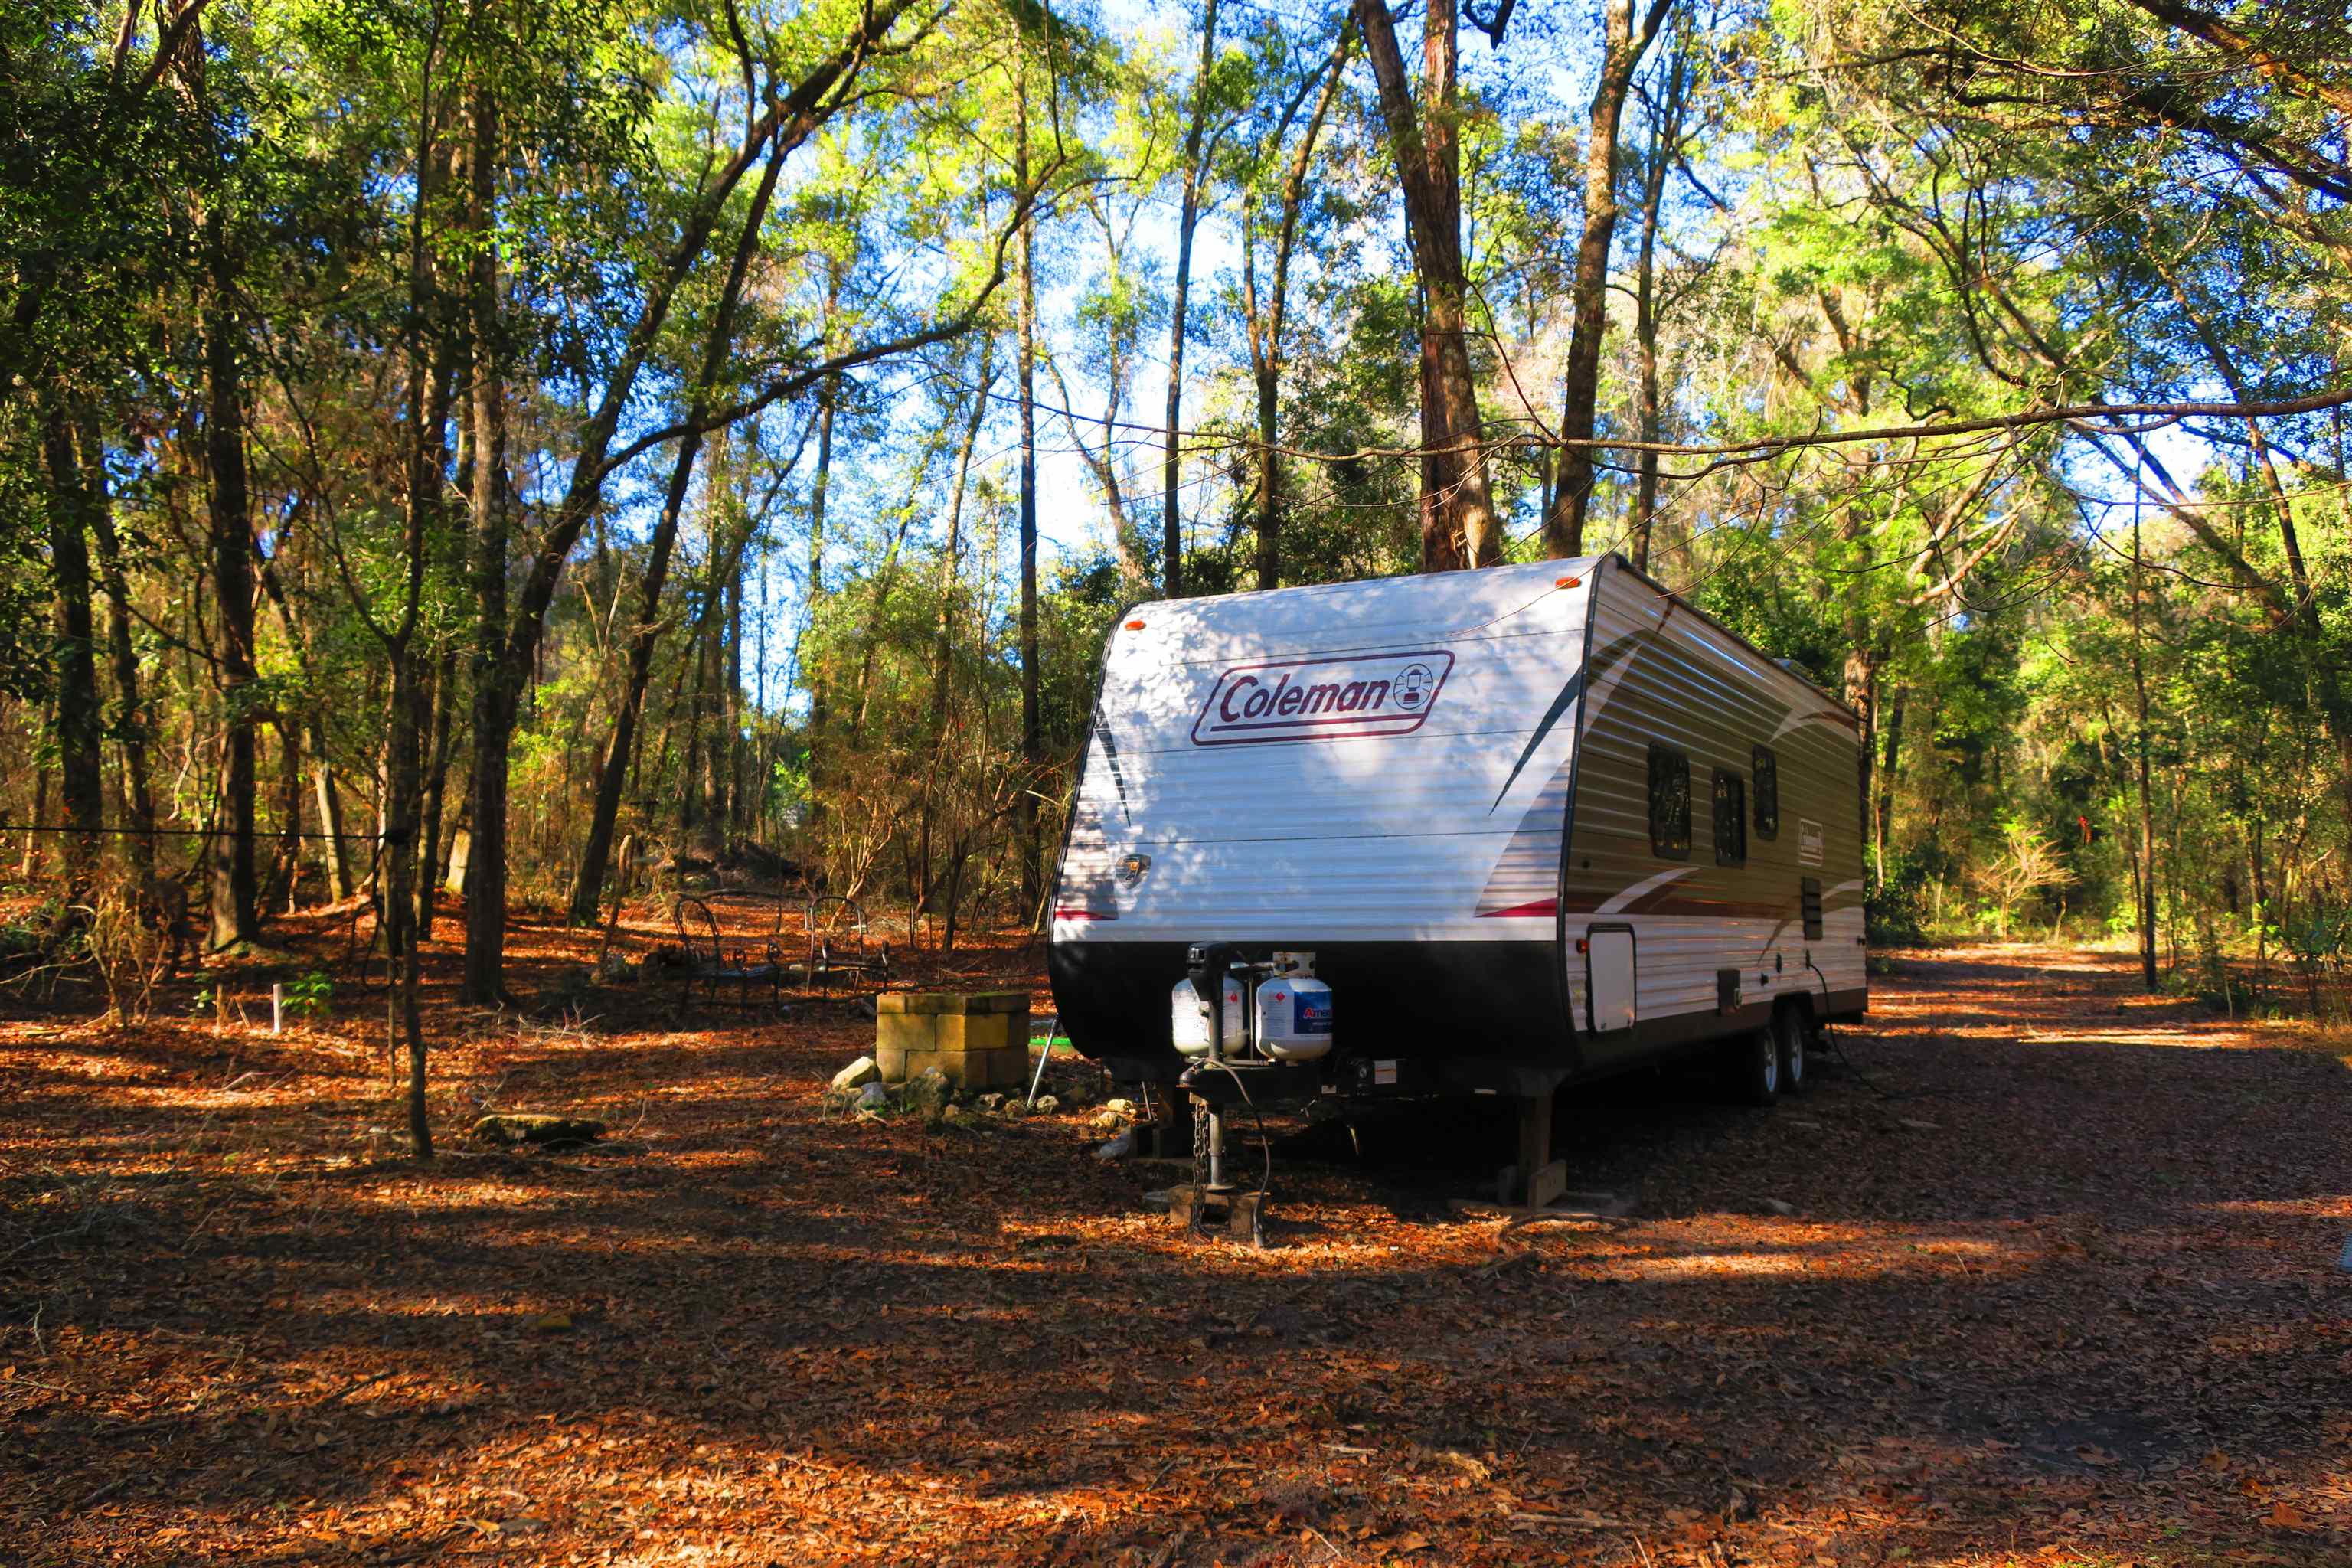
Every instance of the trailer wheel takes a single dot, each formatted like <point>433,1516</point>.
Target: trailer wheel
<point>1751,1063</point>
<point>1792,1035</point>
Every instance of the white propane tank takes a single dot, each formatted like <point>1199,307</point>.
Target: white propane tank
<point>1294,1018</point>
<point>1190,1016</point>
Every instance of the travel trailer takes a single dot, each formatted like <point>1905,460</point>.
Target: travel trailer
<point>1519,827</point>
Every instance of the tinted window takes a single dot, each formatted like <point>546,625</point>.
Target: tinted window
<point>1670,802</point>
<point>1767,793</point>
<point>1730,817</point>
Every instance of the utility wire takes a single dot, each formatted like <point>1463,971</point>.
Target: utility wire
<point>259,833</point>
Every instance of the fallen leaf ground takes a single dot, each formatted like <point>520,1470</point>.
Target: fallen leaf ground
<point>2060,1284</point>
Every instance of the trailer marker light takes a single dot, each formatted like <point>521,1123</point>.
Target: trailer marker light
<point>1135,625</point>
<point>1567,582</point>
<point>1582,945</point>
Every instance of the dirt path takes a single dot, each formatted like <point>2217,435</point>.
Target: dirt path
<point>2059,1284</point>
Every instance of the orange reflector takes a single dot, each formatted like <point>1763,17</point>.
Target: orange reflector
<point>1135,625</point>
<point>1565,581</point>
<point>1584,946</point>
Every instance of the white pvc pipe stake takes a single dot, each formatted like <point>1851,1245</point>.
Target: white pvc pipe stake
<point>277,1005</point>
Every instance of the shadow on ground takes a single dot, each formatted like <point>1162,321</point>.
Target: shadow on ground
<point>2055,1274</point>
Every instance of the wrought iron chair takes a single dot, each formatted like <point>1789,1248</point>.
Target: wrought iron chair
<point>839,944</point>
<point>713,959</point>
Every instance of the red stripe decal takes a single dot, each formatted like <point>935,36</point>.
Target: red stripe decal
<point>1547,908</point>
<point>1086,914</point>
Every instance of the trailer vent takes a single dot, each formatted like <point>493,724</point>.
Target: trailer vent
<point>1812,905</point>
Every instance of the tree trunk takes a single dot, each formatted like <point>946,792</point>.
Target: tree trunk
<point>40,811</point>
<point>429,395</point>
<point>1032,750</point>
<point>79,719</point>
<point>496,698</point>
<point>403,790</point>
<point>1665,137</point>
<point>2261,896</point>
<point>1882,816</point>
<point>338,857</point>
<point>1861,693</point>
<point>1172,526</point>
<point>730,775</point>
<point>812,638</point>
<point>2303,614</point>
<point>944,645</point>
<point>433,854</point>
<point>1269,483</point>
<point>2146,814</point>
<point>1622,50</point>
<point>312,731</point>
<point>287,875</point>
<point>885,580</point>
<point>235,905</point>
<point>135,720</point>
<point>1458,525</point>
<point>1265,327</point>
<point>620,749</point>
<point>786,122</point>
<point>689,793</point>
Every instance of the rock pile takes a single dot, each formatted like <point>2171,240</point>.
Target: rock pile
<point>861,1089</point>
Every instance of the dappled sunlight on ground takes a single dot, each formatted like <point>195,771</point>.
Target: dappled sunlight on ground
<point>2047,1276</point>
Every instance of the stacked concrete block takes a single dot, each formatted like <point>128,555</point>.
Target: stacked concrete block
<point>977,1041</point>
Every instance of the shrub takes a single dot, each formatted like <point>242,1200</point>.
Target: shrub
<point>1895,904</point>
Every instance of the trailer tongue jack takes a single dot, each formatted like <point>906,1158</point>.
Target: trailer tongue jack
<point>1281,1021</point>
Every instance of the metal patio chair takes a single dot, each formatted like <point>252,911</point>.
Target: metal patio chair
<point>839,944</point>
<point>716,961</point>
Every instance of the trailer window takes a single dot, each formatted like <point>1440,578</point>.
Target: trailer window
<point>1670,804</point>
<point>1730,817</point>
<point>1767,793</point>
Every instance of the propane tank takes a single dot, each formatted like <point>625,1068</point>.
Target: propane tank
<point>1294,1018</point>
<point>1190,1018</point>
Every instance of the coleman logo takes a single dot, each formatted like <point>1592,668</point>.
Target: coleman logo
<point>1322,698</point>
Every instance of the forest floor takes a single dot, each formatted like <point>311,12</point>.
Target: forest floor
<point>2058,1283</point>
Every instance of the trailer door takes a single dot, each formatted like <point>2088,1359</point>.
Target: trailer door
<point>1608,978</point>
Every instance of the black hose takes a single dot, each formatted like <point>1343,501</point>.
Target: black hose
<point>1830,1040</point>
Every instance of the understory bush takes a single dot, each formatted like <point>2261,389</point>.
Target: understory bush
<point>1895,900</point>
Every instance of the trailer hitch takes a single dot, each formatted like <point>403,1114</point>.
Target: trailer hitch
<point>1227,1083</point>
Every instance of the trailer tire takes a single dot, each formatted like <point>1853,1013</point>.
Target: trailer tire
<point>1751,1065</point>
<point>1792,1035</point>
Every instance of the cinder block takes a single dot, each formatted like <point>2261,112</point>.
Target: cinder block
<point>898,1034</point>
<point>992,1002</point>
<point>917,1002</point>
<point>972,1069</point>
<point>981,1032</point>
<point>979,1041</point>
